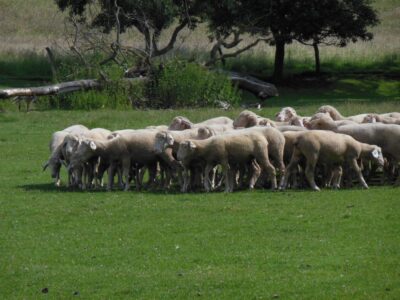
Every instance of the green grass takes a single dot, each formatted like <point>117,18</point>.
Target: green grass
<point>160,245</point>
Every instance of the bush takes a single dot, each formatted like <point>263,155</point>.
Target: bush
<point>184,84</point>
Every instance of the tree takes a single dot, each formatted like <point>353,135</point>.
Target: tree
<point>149,17</point>
<point>335,22</point>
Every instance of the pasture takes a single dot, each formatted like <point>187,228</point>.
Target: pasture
<point>158,244</point>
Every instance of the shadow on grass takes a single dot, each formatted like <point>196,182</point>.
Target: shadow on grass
<point>51,188</point>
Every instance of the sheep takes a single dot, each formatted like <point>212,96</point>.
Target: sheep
<point>373,118</point>
<point>167,144</point>
<point>386,136</point>
<point>288,114</point>
<point>332,149</point>
<point>128,147</point>
<point>249,119</point>
<point>327,115</point>
<point>182,123</point>
<point>226,150</point>
<point>69,147</point>
<point>55,161</point>
<point>335,114</point>
<point>276,144</point>
<point>291,128</point>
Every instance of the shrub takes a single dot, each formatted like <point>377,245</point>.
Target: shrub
<point>184,84</point>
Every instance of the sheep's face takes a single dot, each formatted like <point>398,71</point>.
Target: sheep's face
<point>71,144</point>
<point>369,119</point>
<point>180,123</point>
<point>204,133</point>
<point>265,122</point>
<point>185,150</point>
<point>296,122</point>
<point>245,119</point>
<point>83,153</point>
<point>164,140</point>
<point>54,167</point>
<point>377,156</point>
<point>285,114</point>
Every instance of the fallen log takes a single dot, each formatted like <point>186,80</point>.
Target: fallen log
<point>59,88</point>
<point>256,86</point>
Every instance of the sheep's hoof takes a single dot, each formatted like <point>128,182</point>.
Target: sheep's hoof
<point>316,189</point>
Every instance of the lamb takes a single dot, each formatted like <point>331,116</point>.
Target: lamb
<point>69,147</point>
<point>55,161</point>
<point>386,136</point>
<point>288,114</point>
<point>335,114</point>
<point>332,149</point>
<point>126,147</point>
<point>373,118</point>
<point>327,115</point>
<point>249,119</point>
<point>182,123</point>
<point>227,149</point>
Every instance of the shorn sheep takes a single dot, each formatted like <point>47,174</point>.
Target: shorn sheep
<point>55,161</point>
<point>227,150</point>
<point>385,136</point>
<point>182,123</point>
<point>248,118</point>
<point>336,115</point>
<point>332,149</point>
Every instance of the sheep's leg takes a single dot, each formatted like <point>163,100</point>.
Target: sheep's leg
<point>336,177</point>
<point>207,182</point>
<point>291,168</point>
<point>226,171</point>
<point>255,174</point>
<point>357,169</point>
<point>111,173</point>
<point>126,164</point>
<point>186,179</point>
<point>310,169</point>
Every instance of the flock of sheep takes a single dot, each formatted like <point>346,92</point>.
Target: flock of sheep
<point>251,151</point>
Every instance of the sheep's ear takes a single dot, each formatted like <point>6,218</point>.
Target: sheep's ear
<point>45,165</point>
<point>192,145</point>
<point>92,145</point>
<point>375,153</point>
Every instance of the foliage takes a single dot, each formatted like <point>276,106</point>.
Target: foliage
<point>287,20</point>
<point>149,17</point>
<point>157,245</point>
<point>184,84</point>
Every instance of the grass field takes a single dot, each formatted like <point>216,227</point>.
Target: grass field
<point>167,245</point>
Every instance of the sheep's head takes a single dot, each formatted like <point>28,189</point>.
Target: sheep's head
<point>54,165</point>
<point>285,114</point>
<point>85,151</point>
<point>265,122</point>
<point>180,123</point>
<point>323,123</point>
<point>205,132</point>
<point>185,150</point>
<point>377,156</point>
<point>333,112</point>
<point>296,121</point>
<point>245,119</point>
<point>163,140</point>
<point>370,118</point>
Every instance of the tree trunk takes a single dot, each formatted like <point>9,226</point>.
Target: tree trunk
<point>279,59</point>
<point>317,61</point>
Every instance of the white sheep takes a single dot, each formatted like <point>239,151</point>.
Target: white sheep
<point>127,147</point>
<point>182,123</point>
<point>248,118</point>
<point>55,161</point>
<point>289,114</point>
<point>332,149</point>
<point>225,150</point>
<point>373,118</point>
<point>385,136</point>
